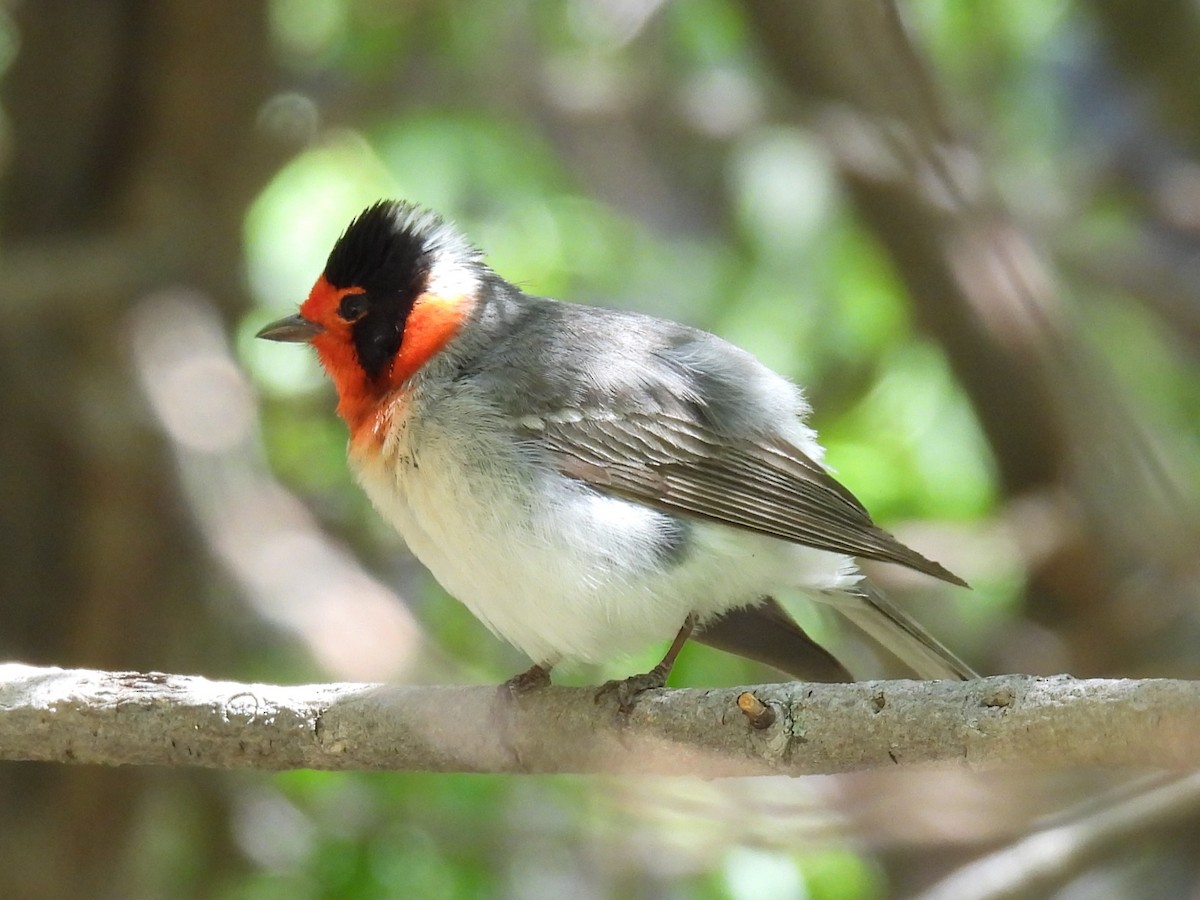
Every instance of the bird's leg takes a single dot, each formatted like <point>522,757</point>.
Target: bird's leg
<point>628,689</point>
<point>537,676</point>
<point>504,710</point>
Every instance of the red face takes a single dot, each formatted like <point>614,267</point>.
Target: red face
<point>381,310</point>
<point>333,339</point>
<point>370,357</point>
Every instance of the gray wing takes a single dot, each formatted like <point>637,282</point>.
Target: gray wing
<point>679,465</point>
<point>643,399</point>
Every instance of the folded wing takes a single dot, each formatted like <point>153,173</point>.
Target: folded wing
<point>768,486</point>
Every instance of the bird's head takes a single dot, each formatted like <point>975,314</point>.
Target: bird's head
<point>397,286</point>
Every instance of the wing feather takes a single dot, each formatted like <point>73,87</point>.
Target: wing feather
<point>767,486</point>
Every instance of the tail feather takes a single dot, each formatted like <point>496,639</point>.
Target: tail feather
<point>767,634</point>
<point>897,631</point>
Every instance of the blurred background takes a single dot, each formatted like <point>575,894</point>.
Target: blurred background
<point>972,231</point>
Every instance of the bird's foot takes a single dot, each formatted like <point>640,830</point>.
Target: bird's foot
<point>533,679</point>
<point>627,690</point>
<point>504,712</point>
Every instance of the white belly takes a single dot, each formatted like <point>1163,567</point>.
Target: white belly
<point>581,576</point>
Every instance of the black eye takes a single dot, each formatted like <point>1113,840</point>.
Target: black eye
<point>353,307</point>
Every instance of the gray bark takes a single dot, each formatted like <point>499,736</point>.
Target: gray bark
<point>1037,723</point>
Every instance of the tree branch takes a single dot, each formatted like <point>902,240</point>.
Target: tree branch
<point>1039,864</point>
<point>119,718</point>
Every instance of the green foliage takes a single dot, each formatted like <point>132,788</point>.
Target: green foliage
<point>511,103</point>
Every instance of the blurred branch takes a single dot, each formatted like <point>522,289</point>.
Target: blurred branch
<point>115,718</point>
<point>50,273</point>
<point>1053,414</point>
<point>1159,51</point>
<point>1133,92</point>
<point>976,285</point>
<point>1044,861</point>
<point>292,574</point>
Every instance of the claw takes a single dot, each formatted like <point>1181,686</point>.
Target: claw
<point>627,690</point>
<point>504,712</point>
<point>535,678</point>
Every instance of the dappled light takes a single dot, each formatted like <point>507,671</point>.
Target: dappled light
<point>294,575</point>
<point>969,232</point>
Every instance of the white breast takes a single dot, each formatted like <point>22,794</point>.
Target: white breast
<point>557,569</point>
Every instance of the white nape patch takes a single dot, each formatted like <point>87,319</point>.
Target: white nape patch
<point>455,263</point>
<point>450,277</point>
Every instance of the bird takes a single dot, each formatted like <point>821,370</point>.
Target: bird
<point>590,481</point>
